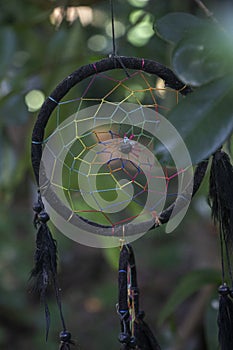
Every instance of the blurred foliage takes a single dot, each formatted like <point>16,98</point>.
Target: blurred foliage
<point>187,287</point>
<point>201,57</point>
<point>39,47</point>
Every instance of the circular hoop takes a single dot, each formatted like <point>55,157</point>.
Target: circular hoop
<point>147,66</point>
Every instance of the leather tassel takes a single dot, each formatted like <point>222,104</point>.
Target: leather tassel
<point>44,272</point>
<point>225,318</point>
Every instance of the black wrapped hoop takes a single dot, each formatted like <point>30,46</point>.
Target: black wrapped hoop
<point>51,103</point>
<point>84,72</point>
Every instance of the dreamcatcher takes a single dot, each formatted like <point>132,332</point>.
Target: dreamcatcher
<point>108,167</point>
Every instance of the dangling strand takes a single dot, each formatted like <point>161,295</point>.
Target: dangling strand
<point>45,258</point>
<point>221,202</point>
<point>44,272</point>
<point>113,29</point>
<point>225,313</point>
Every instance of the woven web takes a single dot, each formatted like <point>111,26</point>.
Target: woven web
<point>106,155</point>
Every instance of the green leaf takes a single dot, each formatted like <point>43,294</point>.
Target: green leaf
<point>162,154</point>
<point>14,106</point>
<point>8,164</point>
<point>202,56</point>
<point>204,119</point>
<point>112,257</point>
<point>174,26</point>
<point>188,286</point>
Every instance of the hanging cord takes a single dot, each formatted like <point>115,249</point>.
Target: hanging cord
<point>114,50</point>
<point>65,336</point>
<point>228,258</point>
<point>113,29</point>
<point>222,258</point>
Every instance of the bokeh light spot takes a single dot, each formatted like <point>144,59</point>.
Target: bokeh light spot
<point>97,43</point>
<point>140,34</point>
<point>34,100</point>
<point>138,3</point>
<point>119,29</point>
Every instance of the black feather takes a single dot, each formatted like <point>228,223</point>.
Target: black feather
<point>64,346</point>
<point>45,259</point>
<point>221,202</point>
<point>145,338</point>
<point>225,319</point>
<point>221,194</point>
<point>44,272</point>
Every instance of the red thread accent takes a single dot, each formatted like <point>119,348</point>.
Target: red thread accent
<point>94,66</point>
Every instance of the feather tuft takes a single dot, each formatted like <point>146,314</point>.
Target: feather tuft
<point>221,194</point>
<point>145,338</point>
<point>225,318</point>
<point>221,202</point>
<point>44,272</point>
